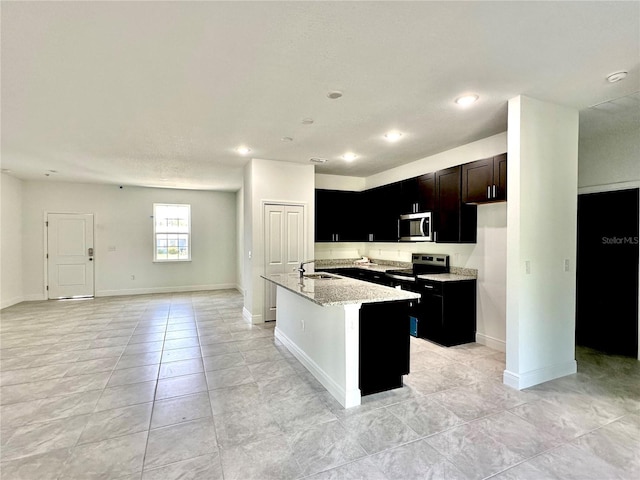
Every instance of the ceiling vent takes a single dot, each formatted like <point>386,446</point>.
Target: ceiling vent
<point>318,160</point>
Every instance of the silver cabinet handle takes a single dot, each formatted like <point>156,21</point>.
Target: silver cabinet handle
<point>488,191</point>
<point>494,191</point>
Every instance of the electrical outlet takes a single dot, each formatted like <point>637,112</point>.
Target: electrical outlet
<point>566,264</point>
<point>302,324</point>
<point>527,267</point>
<point>133,277</point>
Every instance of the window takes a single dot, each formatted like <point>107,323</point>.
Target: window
<point>171,232</point>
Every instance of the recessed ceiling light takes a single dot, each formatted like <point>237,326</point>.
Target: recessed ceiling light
<point>335,94</point>
<point>243,150</point>
<point>6,170</point>
<point>466,100</point>
<point>616,77</point>
<point>349,156</point>
<point>307,121</point>
<point>287,139</point>
<point>393,136</point>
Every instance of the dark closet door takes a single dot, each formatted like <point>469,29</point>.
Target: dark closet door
<point>607,272</point>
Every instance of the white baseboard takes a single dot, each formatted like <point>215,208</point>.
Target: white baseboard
<point>491,342</point>
<point>35,297</point>
<point>183,288</point>
<point>252,319</point>
<point>135,291</point>
<point>240,289</point>
<point>346,399</point>
<point>4,303</point>
<point>536,377</point>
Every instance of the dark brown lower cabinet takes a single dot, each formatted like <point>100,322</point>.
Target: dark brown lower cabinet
<point>447,312</point>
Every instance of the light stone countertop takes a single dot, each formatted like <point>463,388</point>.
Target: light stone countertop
<point>445,277</point>
<point>362,266</point>
<point>339,290</point>
<point>456,275</point>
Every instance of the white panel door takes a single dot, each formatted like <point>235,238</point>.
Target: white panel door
<point>284,247</point>
<point>70,255</point>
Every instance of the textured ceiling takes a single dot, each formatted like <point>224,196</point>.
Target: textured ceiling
<point>161,93</point>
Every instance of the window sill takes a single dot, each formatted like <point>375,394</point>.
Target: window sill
<point>171,261</point>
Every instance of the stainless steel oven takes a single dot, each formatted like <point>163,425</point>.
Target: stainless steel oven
<point>427,305</point>
<point>416,227</point>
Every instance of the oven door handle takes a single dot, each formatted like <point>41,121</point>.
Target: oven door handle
<point>399,277</point>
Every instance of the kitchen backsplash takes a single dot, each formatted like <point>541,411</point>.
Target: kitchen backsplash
<point>328,262</point>
<point>350,261</point>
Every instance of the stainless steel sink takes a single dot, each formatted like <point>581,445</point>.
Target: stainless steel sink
<point>321,276</point>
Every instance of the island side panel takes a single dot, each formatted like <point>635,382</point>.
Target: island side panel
<point>384,346</point>
<point>324,339</point>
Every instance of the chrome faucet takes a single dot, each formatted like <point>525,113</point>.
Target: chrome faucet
<point>301,267</point>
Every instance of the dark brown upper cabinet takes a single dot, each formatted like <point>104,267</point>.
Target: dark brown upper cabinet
<point>485,181</point>
<point>418,194</point>
<point>454,221</point>
<point>338,216</point>
<point>381,209</point>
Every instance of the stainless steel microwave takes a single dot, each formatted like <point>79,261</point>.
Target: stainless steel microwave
<point>415,227</point>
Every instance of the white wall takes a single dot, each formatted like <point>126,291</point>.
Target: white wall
<point>541,235</point>
<point>608,159</point>
<point>488,255</point>
<point>339,182</point>
<point>268,181</point>
<point>239,240</point>
<point>11,289</point>
<point>124,237</point>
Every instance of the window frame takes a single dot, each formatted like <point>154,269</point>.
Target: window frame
<point>156,233</point>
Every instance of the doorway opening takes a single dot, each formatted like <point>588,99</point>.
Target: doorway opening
<point>607,272</point>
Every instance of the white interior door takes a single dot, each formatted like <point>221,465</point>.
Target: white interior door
<point>284,247</point>
<point>70,255</point>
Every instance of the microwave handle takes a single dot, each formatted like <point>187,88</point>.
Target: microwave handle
<point>422,222</point>
<point>398,229</point>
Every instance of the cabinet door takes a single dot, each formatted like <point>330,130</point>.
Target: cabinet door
<point>500,176</point>
<point>347,207</point>
<point>382,211</point>
<point>338,216</point>
<point>324,216</point>
<point>409,196</point>
<point>477,181</point>
<point>426,192</point>
<point>447,221</point>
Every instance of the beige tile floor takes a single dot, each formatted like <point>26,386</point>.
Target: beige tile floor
<point>178,386</point>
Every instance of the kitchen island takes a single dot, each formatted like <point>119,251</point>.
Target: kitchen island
<point>353,336</point>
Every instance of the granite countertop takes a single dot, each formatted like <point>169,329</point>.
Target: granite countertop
<point>339,290</point>
<point>446,277</point>
<point>373,267</point>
